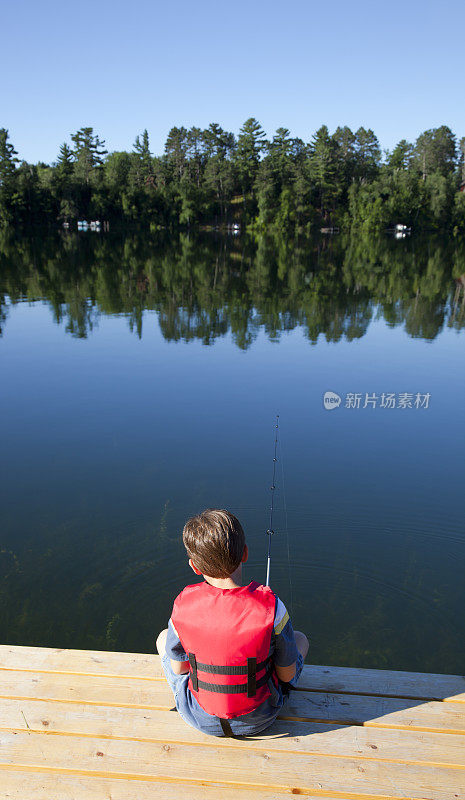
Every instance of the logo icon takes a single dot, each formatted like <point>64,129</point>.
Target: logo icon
<point>331,400</point>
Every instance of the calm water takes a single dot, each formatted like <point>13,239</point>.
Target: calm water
<point>140,379</point>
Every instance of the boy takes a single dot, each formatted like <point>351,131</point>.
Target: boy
<point>227,646</point>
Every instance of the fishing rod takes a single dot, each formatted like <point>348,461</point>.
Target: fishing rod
<point>270,530</point>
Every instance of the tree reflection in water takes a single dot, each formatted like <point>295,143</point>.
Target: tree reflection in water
<point>203,287</point>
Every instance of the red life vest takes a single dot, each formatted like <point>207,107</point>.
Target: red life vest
<point>226,634</point>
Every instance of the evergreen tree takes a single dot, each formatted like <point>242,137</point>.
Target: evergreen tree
<point>63,184</point>
<point>323,160</point>
<point>462,160</point>
<point>401,157</point>
<point>219,147</point>
<point>31,207</point>
<point>143,159</point>
<point>280,152</point>
<point>344,139</point>
<point>88,152</point>
<point>196,154</point>
<point>65,161</point>
<point>436,151</point>
<point>250,145</point>
<point>367,154</point>
<point>8,163</point>
<point>176,147</point>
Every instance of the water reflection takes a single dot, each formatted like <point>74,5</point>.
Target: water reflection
<point>204,287</point>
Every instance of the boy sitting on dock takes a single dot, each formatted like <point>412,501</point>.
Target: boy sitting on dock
<point>228,648</point>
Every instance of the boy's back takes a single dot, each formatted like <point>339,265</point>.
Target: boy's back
<point>226,635</point>
<point>226,642</point>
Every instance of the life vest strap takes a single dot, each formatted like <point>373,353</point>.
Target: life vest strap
<point>234,688</point>
<point>228,670</point>
<point>226,728</point>
<point>251,677</point>
<point>193,676</point>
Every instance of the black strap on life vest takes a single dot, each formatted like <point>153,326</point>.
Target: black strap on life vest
<point>194,678</point>
<point>226,670</point>
<point>251,677</point>
<point>226,728</point>
<point>249,688</point>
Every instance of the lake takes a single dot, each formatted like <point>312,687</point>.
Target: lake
<point>140,380</point>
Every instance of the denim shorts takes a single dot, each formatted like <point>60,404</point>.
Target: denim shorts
<point>245,725</point>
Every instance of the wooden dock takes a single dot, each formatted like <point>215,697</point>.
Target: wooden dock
<point>94,725</point>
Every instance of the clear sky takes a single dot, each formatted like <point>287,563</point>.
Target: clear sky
<point>396,67</point>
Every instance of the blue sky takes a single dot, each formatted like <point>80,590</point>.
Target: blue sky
<point>120,68</point>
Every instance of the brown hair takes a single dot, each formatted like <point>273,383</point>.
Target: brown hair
<point>215,542</point>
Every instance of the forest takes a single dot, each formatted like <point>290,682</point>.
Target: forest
<point>213,178</point>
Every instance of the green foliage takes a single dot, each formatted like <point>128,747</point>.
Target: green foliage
<point>462,161</point>
<point>88,153</point>
<point>324,170</point>
<point>459,212</point>
<point>8,163</point>
<point>436,151</point>
<point>250,145</point>
<point>401,157</point>
<point>210,178</point>
<point>367,154</point>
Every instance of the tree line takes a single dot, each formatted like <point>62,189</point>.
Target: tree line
<point>214,178</point>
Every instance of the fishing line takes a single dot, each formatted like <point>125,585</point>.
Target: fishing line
<point>270,530</point>
<point>291,600</point>
<point>272,488</point>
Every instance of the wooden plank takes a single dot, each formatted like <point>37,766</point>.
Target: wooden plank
<point>376,711</point>
<point>88,662</point>
<point>419,685</point>
<point>86,688</point>
<point>290,737</point>
<point>339,708</point>
<point>270,771</point>
<point>23,784</point>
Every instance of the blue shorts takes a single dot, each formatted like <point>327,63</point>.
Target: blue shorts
<point>246,725</point>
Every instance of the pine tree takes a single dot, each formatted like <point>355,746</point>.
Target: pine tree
<point>8,163</point>
<point>345,141</point>
<point>323,163</point>
<point>280,153</point>
<point>176,149</point>
<point>250,145</point>
<point>64,185</point>
<point>144,156</point>
<point>367,154</point>
<point>142,170</point>
<point>219,146</point>
<point>401,156</point>
<point>196,153</point>
<point>462,159</point>
<point>88,152</point>
<point>65,160</point>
